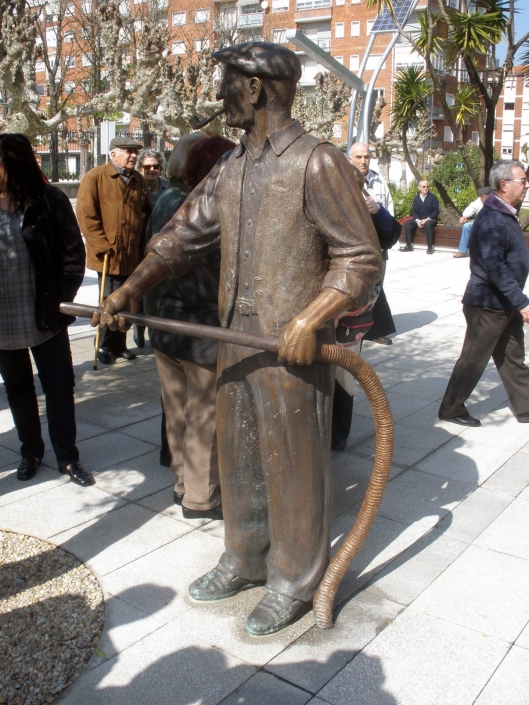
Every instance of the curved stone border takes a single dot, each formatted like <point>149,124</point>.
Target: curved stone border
<point>51,618</point>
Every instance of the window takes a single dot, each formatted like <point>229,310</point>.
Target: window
<point>202,15</point>
<point>507,151</point>
<point>69,62</point>
<point>450,100</point>
<point>312,4</point>
<point>138,2</point>
<point>355,2</point>
<point>69,87</point>
<point>355,29</point>
<point>41,90</point>
<point>138,25</point>
<point>86,6</point>
<point>354,62</point>
<point>339,59</point>
<point>124,8</point>
<point>378,93</point>
<point>278,36</point>
<point>475,137</point>
<point>337,130</point>
<point>339,2</point>
<point>68,38</point>
<point>51,37</point>
<point>508,106</point>
<point>179,48</point>
<point>280,5</point>
<point>179,19</point>
<point>319,33</point>
<point>201,44</point>
<point>369,25</point>
<point>339,30</point>
<point>448,135</point>
<point>40,66</point>
<point>372,62</point>
<point>87,60</point>
<point>69,11</point>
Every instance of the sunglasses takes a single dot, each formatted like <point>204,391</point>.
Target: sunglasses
<point>147,167</point>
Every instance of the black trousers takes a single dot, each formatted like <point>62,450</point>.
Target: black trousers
<point>429,229</point>
<point>113,340</point>
<point>489,332</point>
<point>55,369</point>
<point>342,414</point>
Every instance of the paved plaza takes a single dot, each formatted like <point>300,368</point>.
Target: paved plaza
<point>435,608</point>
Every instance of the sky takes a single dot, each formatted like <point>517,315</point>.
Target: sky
<point>521,26</point>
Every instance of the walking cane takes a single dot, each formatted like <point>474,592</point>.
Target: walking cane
<point>101,298</point>
<point>370,383</point>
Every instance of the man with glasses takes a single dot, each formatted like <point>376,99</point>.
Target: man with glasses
<point>494,304</point>
<point>113,208</point>
<point>425,212</point>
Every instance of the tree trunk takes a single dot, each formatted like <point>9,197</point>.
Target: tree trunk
<point>449,213</point>
<point>147,137</point>
<point>54,156</point>
<point>416,173</point>
<point>384,161</point>
<point>489,144</point>
<point>84,144</point>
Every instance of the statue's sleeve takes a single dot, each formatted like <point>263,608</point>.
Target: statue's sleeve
<point>194,230</point>
<point>334,203</point>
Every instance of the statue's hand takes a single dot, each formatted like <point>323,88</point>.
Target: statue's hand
<point>120,300</point>
<point>297,342</point>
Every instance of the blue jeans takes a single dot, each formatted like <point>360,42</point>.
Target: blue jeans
<point>465,237</point>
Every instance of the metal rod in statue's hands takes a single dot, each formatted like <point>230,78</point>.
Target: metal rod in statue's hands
<point>364,373</point>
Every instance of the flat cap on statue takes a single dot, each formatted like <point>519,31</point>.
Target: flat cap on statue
<point>261,59</point>
<point>124,143</point>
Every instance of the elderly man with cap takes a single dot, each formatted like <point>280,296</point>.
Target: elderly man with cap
<point>113,207</point>
<point>298,248</point>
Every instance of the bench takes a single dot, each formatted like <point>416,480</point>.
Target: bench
<point>445,236</point>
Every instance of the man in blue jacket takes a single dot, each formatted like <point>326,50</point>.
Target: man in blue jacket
<point>494,304</point>
<point>425,213</point>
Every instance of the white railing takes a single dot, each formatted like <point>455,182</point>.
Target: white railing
<point>312,4</point>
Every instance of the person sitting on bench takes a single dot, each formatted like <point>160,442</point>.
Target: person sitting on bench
<point>425,213</point>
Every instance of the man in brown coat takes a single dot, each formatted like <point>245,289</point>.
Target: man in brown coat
<point>297,248</point>
<point>113,207</point>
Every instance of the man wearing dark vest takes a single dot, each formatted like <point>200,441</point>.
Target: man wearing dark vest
<point>298,248</point>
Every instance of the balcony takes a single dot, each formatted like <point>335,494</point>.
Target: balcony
<point>251,19</point>
<point>302,5</point>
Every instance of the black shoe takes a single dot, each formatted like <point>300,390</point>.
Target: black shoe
<point>466,420</point>
<point>430,251</point>
<point>178,497</point>
<point>275,612</point>
<point>339,445</point>
<point>139,336</point>
<point>165,460</point>
<point>126,354</point>
<point>215,514</point>
<point>406,248</point>
<point>382,341</point>
<point>77,473</point>
<point>27,468</point>
<point>523,418</point>
<point>104,356</point>
<point>219,584</point>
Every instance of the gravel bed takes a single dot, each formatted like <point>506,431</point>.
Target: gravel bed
<point>51,617</point>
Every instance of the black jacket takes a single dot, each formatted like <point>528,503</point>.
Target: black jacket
<point>429,208</point>
<point>54,241</point>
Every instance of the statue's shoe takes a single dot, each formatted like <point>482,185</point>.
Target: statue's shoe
<point>275,612</point>
<point>219,584</point>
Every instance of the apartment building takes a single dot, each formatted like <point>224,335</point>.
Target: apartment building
<point>511,138</point>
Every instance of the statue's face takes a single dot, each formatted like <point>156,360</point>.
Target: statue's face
<point>236,94</point>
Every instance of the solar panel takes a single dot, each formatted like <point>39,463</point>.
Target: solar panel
<point>384,22</point>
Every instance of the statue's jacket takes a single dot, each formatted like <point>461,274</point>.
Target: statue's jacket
<point>313,228</point>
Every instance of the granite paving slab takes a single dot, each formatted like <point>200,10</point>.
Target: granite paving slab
<point>163,502</point>
<point>169,571</point>
<point>13,490</point>
<point>499,428</point>
<point>120,537</point>
<point>401,406</point>
<point>509,532</point>
<point>510,683</point>
<point>482,590</point>
<point>136,477</point>
<point>418,660</point>
<point>512,477</point>
<point>318,655</point>
<point>523,639</point>
<point>266,689</point>
<point>167,666</point>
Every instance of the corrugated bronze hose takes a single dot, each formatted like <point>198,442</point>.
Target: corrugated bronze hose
<point>368,380</point>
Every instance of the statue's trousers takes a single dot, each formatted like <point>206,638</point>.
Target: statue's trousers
<point>273,430</point>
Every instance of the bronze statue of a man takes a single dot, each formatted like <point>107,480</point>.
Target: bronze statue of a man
<point>298,248</point>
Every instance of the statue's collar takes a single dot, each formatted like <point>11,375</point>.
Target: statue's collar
<point>279,140</point>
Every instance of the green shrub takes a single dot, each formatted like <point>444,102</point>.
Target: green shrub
<point>403,198</point>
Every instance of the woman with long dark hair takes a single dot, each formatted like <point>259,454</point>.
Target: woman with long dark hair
<point>42,262</point>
